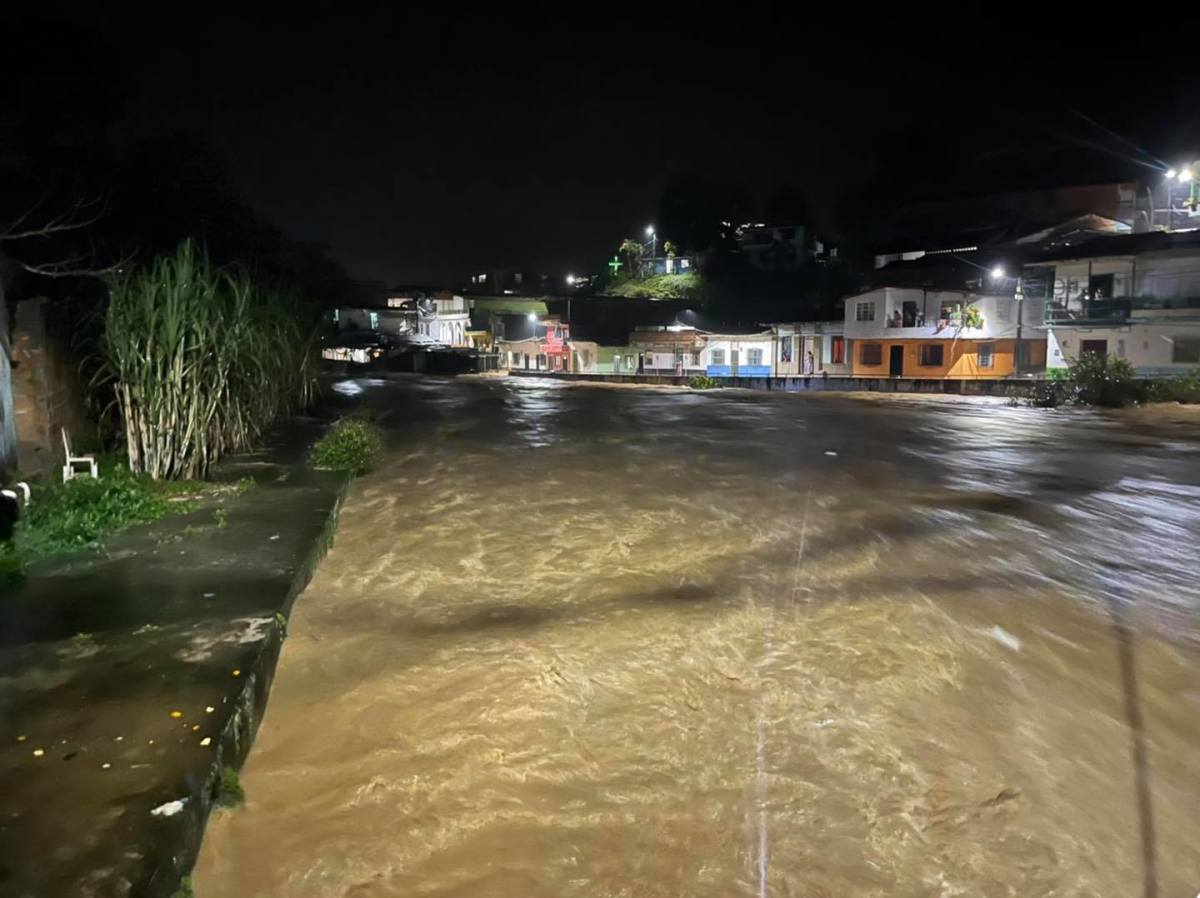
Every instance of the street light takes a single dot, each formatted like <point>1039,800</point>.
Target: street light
<point>998,272</point>
<point>570,280</point>
<point>653,240</point>
<point>1185,176</point>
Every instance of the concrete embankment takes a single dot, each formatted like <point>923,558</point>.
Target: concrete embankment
<point>132,677</point>
<point>819,383</point>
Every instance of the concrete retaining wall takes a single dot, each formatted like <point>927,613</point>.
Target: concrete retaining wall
<point>797,383</point>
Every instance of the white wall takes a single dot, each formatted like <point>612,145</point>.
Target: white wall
<point>999,312</point>
<point>743,344</point>
<point>1149,347</point>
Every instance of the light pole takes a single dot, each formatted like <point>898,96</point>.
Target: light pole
<point>653,242</point>
<point>1019,298</point>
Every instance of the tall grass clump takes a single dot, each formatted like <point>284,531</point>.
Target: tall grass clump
<point>201,360</point>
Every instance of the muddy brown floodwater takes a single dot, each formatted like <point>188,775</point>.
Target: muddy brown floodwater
<point>587,642</point>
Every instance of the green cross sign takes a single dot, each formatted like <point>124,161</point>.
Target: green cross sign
<point>615,265</point>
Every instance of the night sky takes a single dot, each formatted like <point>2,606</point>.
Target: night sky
<point>420,148</point>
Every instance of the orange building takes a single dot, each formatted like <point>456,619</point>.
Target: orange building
<point>943,334</point>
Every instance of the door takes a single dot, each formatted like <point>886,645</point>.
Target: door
<point>733,363</point>
<point>896,361</point>
<point>1099,347</point>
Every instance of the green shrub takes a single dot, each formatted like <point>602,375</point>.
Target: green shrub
<point>1049,393</point>
<point>77,515</point>
<point>352,444</point>
<point>229,789</point>
<point>702,382</point>
<point>1180,388</point>
<point>185,889</point>
<point>1100,379</point>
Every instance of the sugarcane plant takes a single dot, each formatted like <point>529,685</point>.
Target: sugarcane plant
<point>200,360</point>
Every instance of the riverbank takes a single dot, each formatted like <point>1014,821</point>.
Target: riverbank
<point>131,677</point>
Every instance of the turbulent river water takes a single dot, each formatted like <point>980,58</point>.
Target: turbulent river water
<point>577,641</point>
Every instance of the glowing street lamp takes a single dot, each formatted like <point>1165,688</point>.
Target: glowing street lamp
<point>570,280</point>
<point>1171,173</point>
<point>998,272</point>
<point>653,239</point>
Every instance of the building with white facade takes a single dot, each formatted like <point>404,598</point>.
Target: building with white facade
<point>1134,297</point>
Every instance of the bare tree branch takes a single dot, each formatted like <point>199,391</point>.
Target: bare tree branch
<point>79,216</point>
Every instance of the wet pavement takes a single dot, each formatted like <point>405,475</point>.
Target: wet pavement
<point>129,676</point>
<point>603,642</point>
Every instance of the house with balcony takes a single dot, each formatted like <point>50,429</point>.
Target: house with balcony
<point>1135,297</point>
<point>920,332</point>
<point>549,348</point>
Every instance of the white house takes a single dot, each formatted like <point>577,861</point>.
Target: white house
<point>739,355</point>
<point>1134,297</point>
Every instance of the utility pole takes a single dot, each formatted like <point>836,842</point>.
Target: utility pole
<point>1019,296</point>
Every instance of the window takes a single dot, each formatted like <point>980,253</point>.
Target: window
<point>838,350</point>
<point>695,360</point>
<point>753,356</point>
<point>864,311</point>
<point>1186,350</point>
<point>1120,349</point>
<point>337,314</point>
<point>987,355</point>
<point>931,354</point>
<point>785,349</point>
<point>871,353</point>
<point>1099,347</point>
<point>716,357</point>
<point>374,321</point>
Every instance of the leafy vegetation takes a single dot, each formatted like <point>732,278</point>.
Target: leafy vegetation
<point>1180,388</point>
<point>352,444</point>
<point>1097,379</point>
<point>972,318</point>
<point>229,791</point>
<point>82,513</point>
<point>185,889</point>
<point>660,286</point>
<point>201,360</point>
<point>703,382</point>
<point>1101,379</point>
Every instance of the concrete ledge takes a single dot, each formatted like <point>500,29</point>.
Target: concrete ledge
<point>800,383</point>
<point>99,650</point>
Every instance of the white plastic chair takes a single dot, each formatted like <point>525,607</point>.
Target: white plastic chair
<point>69,469</point>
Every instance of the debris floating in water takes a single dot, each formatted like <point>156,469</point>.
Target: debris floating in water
<point>831,452</point>
<point>196,728</point>
<point>38,752</point>
<point>105,766</point>
<point>206,741</point>
<point>1005,638</point>
<point>210,595</point>
<point>209,709</point>
<point>22,738</point>
<point>237,672</point>
<point>176,714</point>
<point>169,809</point>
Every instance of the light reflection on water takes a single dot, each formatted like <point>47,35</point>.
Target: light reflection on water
<point>564,646</point>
